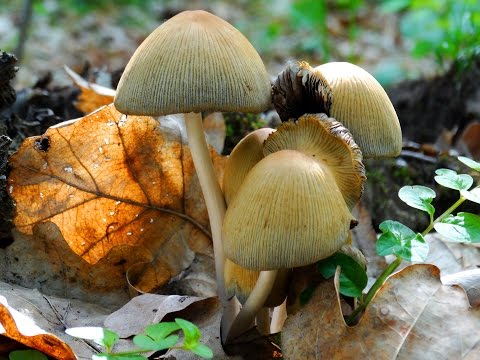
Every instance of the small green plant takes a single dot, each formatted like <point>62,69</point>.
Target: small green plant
<point>403,243</point>
<point>156,337</point>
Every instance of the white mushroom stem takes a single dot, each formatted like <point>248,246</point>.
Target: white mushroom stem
<point>211,191</point>
<point>252,306</point>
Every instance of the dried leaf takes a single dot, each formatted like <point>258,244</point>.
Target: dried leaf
<point>92,96</point>
<point>53,314</point>
<point>469,280</point>
<point>18,327</point>
<point>413,316</point>
<point>108,180</point>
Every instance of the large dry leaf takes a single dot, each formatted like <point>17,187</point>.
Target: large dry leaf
<point>21,329</point>
<point>108,180</point>
<point>413,316</point>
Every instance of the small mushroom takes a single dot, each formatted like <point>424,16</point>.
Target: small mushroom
<point>196,62</point>
<point>288,212</point>
<point>293,207</point>
<point>361,104</point>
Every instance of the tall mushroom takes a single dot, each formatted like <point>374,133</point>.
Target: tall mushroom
<point>291,210</point>
<point>196,62</point>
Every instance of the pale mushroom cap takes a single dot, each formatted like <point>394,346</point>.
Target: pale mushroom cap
<point>194,62</point>
<point>328,141</point>
<point>362,105</point>
<point>288,212</point>
<point>245,155</point>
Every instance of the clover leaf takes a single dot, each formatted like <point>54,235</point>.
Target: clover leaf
<point>398,239</point>
<point>418,197</point>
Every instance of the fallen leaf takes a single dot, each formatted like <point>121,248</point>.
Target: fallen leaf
<point>92,96</point>
<point>54,314</point>
<point>413,316</point>
<point>108,180</point>
<point>18,327</point>
<point>469,280</point>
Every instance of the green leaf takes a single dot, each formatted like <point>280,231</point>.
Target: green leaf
<point>161,330</point>
<point>29,354</point>
<point>147,343</point>
<point>470,163</point>
<point>452,180</point>
<point>353,277</point>
<point>202,350</point>
<point>464,227</point>
<point>397,239</point>
<point>472,195</point>
<point>191,333</point>
<point>101,336</point>
<point>419,197</point>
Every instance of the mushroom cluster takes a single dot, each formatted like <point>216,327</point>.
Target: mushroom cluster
<point>291,191</point>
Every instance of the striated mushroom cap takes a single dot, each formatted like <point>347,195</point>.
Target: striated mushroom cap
<point>194,62</point>
<point>326,141</point>
<point>361,104</point>
<point>243,157</point>
<point>288,212</point>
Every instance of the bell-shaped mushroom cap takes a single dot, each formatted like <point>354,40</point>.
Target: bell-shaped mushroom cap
<point>243,157</point>
<point>288,212</point>
<point>299,90</point>
<point>361,104</point>
<point>240,282</point>
<point>194,62</point>
<point>328,141</point>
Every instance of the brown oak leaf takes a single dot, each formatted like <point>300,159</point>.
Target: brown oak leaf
<point>110,180</point>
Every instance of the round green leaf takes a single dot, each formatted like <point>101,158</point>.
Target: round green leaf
<point>464,227</point>
<point>353,277</point>
<point>398,239</point>
<point>452,180</point>
<point>470,163</point>
<point>418,197</point>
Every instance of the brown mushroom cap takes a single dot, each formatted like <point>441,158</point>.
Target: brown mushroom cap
<point>194,62</point>
<point>328,141</point>
<point>243,157</point>
<point>288,212</point>
<point>361,104</point>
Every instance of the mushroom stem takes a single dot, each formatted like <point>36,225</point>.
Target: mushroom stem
<point>211,191</point>
<point>252,306</point>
